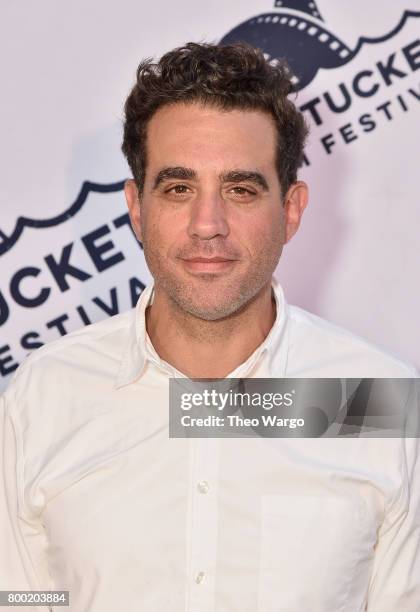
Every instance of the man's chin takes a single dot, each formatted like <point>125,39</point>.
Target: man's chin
<point>212,301</point>
<point>216,311</point>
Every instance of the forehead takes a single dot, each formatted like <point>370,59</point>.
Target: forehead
<point>200,135</point>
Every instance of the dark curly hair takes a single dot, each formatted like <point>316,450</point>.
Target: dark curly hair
<point>234,76</point>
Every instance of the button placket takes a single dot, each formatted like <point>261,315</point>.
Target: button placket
<point>204,524</point>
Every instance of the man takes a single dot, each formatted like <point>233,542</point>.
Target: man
<point>99,499</point>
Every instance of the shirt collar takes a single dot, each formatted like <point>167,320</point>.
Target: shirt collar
<point>139,350</point>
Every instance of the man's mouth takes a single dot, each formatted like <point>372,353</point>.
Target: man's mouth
<point>208,264</point>
<point>209,259</point>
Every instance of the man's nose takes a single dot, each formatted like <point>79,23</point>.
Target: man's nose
<point>208,217</point>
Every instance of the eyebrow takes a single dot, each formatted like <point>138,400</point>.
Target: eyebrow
<point>239,176</point>
<point>232,176</point>
<point>173,172</point>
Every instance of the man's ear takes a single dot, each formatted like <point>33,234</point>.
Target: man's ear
<point>133,203</point>
<point>294,204</point>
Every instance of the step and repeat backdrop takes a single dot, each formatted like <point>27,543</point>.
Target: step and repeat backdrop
<point>68,256</point>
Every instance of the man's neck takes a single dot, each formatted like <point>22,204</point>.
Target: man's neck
<point>209,349</point>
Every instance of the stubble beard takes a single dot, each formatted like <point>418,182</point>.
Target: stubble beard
<point>211,297</point>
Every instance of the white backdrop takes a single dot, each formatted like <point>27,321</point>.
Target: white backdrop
<point>66,70</point>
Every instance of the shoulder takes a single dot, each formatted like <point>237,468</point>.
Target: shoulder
<point>323,349</point>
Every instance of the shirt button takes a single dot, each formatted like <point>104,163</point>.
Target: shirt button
<point>203,486</point>
<point>200,577</point>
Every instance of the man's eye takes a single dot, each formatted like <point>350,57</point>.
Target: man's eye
<point>177,189</point>
<point>242,191</point>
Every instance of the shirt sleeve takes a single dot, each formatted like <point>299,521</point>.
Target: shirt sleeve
<point>20,561</point>
<point>395,580</point>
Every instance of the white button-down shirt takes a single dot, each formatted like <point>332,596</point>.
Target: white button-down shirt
<point>97,499</point>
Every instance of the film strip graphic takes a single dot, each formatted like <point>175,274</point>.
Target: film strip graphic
<point>297,33</point>
<point>309,7</point>
<point>303,6</point>
<point>340,53</point>
<point>337,46</point>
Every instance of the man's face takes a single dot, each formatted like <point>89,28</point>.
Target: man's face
<point>210,216</point>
